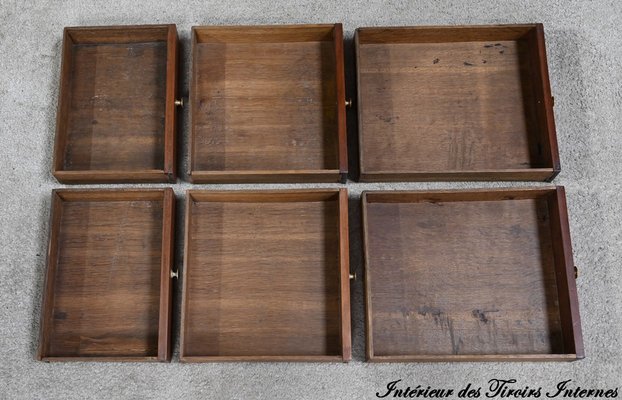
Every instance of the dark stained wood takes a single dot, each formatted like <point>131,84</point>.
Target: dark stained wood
<point>266,276</point>
<point>267,104</point>
<point>566,285</point>
<point>454,103</point>
<point>167,263</point>
<point>290,176</point>
<point>469,276</point>
<point>531,174</point>
<point>341,102</point>
<point>542,95</point>
<point>442,34</point>
<point>170,119</point>
<point>344,276</point>
<point>107,290</point>
<point>116,113</point>
<point>120,34</point>
<point>264,33</point>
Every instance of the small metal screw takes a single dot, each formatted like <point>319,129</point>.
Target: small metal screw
<point>353,276</point>
<point>349,103</point>
<point>179,103</point>
<point>174,274</point>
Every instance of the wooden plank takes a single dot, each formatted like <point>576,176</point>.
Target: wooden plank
<point>344,277</point>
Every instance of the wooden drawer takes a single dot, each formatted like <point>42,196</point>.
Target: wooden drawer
<point>475,275</point>
<point>266,276</point>
<point>455,103</point>
<point>116,111</point>
<point>268,104</point>
<point>107,289</point>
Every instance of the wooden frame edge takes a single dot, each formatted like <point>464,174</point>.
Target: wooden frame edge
<point>170,114</point>
<point>47,299</point>
<point>567,278</point>
<point>272,176</point>
<point>359,119</point>
<point>167,263</point>
<point>474,358</point>
<point>64,92</point>
<point>229,359</point>
<point>344,281</point>
<point>369,343</point>
<point>111,176</point>
<point>533,174</point>
<point>547,98</point>
<point>184,280</point>
<point>342,135</point>
<point>191,99</point>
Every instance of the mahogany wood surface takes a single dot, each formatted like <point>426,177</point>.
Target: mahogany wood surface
<point>107,292</point>
<point>455,103</point>
<point>116,114</point>
<point>270,99</point>
<point>476,275</point>
<point>266,276</point>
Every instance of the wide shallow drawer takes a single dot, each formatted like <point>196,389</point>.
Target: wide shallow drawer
<point>455,103</point>
<point>107,290</point>
<point>470,276</point>
<point>268,104</point>
<point>266,276</point>
<point>116,112</point>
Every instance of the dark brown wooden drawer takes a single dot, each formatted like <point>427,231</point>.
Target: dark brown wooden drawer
<point>267,104</point>
<point>116,111</point>
<point>476,275</point>
<point>446,103</point>
<point>266,276</point>
<point>107,294</point>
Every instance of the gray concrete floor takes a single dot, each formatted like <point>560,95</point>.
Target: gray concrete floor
<point>585,53</point>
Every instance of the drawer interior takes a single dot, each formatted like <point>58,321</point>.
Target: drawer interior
<point>104,279</point>
<point>459,277</point>
<point>115,86</point>
<point>264,99</point>
<point>262,276</point>
<point>451,100</point>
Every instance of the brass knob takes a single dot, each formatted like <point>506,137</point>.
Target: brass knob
<point>576,272</point>
<point>179,102</point>
<point>174,274</point>
<point>348,103</point>
<point>353,276</point>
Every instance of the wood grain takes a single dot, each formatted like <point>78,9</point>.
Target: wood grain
<point>464,276</point>
<point>461,103</point>
<point>262,277</point>
<point>116,107</point>
<point>104,288</point>
<point>262,101</point>
<point>566,285</point>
